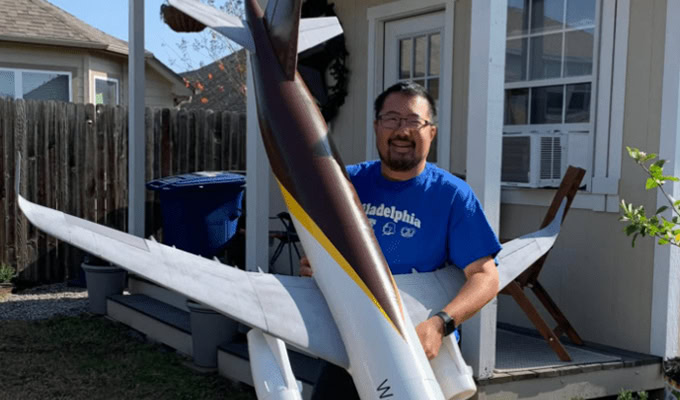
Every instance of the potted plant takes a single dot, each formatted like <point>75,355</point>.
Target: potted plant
<point>665,230</point>
<point>7,274</point>
<point>103,280</point>
<point>209,329</point>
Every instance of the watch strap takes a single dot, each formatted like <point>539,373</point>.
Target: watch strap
<point>449,323</point>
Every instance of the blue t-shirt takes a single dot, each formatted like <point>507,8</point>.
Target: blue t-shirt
<point>425,221</point>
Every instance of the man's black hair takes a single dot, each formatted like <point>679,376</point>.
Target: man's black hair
<point>409,89</point>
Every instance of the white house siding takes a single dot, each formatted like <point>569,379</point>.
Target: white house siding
<point>604,286</point>
<point>158,90</point>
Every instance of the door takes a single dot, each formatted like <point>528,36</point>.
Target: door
<point>413,48</point>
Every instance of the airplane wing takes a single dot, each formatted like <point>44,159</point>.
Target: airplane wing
<point>519,254</point>
<point>312,32</point>
<point>288,307</point>
<point>228,25</point>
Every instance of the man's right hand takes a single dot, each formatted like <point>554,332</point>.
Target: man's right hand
<point>305,267</point>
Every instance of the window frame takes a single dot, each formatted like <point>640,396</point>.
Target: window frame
<point>19,79</point>
<point>607,101</point>
<point>107,79</point>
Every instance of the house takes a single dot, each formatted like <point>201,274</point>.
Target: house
<point>48,54</point>
<point>219,85</point>
<point>524,89</point>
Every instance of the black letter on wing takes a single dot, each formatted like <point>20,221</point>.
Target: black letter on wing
<point>384,389</point>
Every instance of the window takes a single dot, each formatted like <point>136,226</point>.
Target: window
<point>105,91</point>
<point>419,61</point>
<point>35,85</point>
<point>550,79</point>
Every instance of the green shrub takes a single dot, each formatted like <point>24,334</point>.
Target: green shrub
<point>657,225</point>
<point>7,273</point>
<point>628,395</point>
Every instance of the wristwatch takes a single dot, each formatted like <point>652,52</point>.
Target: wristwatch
<point>449,323</point>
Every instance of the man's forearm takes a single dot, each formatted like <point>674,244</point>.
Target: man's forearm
<point>480,288</point>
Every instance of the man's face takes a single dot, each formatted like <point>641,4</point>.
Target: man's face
<point>404,148</point>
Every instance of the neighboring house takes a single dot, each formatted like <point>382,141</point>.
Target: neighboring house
<point>581,80</point>
<point>48,54</point>
<point>220,85</point>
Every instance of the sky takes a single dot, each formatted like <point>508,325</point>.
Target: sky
<point>111,16</point>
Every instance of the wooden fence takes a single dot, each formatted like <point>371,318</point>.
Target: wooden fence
<point>75,159</point>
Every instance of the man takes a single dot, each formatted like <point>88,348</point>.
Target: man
<point>422,216</point>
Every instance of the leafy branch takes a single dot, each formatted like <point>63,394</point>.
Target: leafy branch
<point>657,225</point>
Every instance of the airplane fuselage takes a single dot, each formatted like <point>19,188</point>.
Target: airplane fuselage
<point>386,357</point>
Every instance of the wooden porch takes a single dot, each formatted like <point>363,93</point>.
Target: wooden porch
<point>526,367</point>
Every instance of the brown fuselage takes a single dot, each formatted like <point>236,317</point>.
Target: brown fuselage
<point>305,163</point>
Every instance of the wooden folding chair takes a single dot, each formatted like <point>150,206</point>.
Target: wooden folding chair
<point>529,278</point>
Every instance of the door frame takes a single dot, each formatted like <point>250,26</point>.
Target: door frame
<point>377,17</point>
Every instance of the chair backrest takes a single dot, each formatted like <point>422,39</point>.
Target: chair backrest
<point>286,220</point>
<point>568,188</point>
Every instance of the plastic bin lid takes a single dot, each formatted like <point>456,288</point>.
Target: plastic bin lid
<point>201,178</point>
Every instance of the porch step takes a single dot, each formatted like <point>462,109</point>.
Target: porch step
<point>171,326</point>
<point>159,321</point>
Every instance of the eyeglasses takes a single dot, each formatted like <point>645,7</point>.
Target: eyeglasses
<point>394,122</point>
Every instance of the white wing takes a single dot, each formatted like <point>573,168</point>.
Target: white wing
<point>226,24</point>
<point>290,308</point>
<point>313,31</point>
<point>518,254</point>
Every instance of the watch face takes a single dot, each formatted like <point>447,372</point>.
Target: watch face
<point>450,327</point>
<point>449,323</point>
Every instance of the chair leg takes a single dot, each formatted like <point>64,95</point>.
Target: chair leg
<point>290,258</point>
<point>562,323</point>
<point>276,254</point>
<point>296,250</point>
<point>523,301</point>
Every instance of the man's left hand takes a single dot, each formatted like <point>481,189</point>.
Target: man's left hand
<point>431,333</point>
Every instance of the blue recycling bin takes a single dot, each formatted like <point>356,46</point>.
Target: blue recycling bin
<point>200,209</point>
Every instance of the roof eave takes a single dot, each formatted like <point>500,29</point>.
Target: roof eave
<point>178,86</point>
<point>54,42</point>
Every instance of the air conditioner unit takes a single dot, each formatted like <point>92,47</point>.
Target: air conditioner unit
<point>534,159</point>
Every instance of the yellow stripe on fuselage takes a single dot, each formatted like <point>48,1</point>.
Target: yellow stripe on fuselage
<point>306,221</point>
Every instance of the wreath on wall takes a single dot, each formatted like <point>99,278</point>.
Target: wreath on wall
<point>326,60</point>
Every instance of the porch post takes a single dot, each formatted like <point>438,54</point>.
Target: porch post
<point>664,334</point>
<point>484,127</point>
<point>257,187</point>
<point>136,138</point>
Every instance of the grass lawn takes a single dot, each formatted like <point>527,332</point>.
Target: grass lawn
<point>94,358</point>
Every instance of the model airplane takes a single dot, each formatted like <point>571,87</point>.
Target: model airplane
<point>353,313</point>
